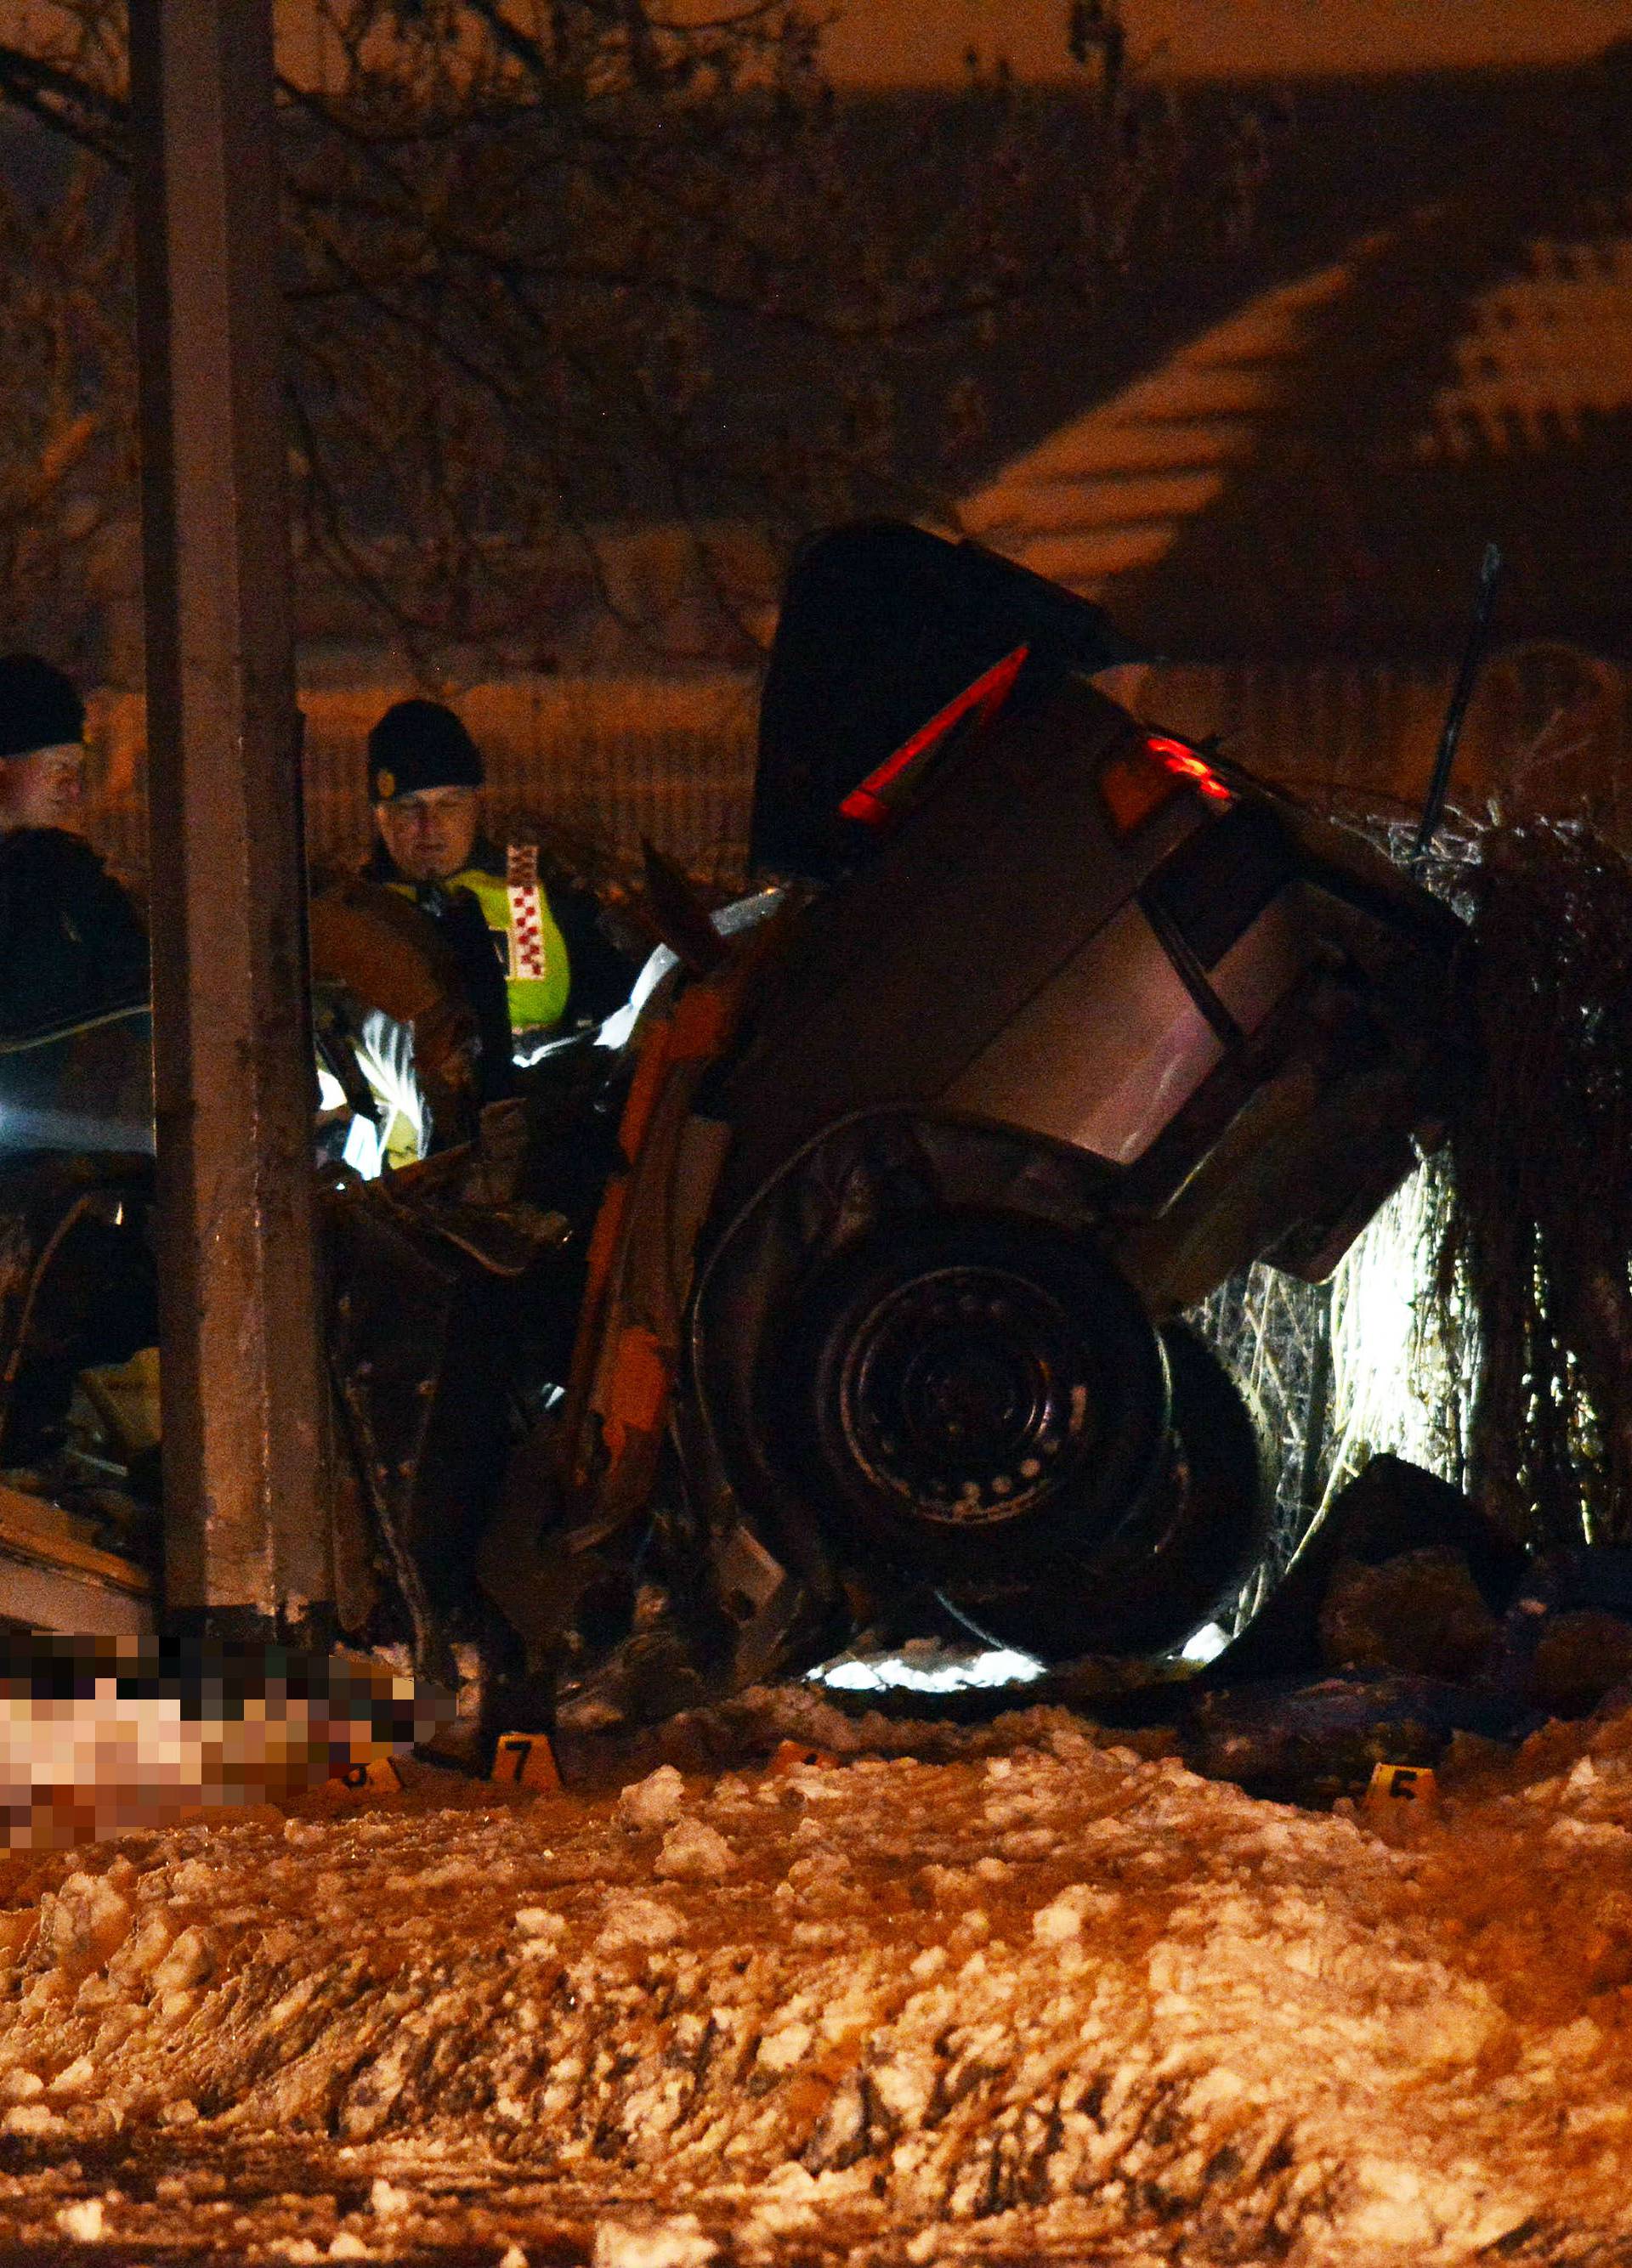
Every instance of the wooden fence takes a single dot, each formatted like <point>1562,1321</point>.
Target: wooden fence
<point>604,760</point>
<point>611,760</point>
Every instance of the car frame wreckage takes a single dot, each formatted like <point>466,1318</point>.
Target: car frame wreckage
<point>851,1268</point>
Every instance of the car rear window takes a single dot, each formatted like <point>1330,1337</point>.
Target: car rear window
<point>1220,878</point>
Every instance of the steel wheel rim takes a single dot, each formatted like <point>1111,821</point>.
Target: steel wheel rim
<point>966,1396</point>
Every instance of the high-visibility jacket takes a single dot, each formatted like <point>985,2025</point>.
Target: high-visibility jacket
<point>527,936</point>
<point>522,925</point>
<point>554,956</point>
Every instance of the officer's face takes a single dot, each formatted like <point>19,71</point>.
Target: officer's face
<point>429,834</point>
<point>42,789</point>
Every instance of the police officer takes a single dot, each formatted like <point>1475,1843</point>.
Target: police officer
<point>556,967</point>
<point>73,1073</point>
<point>71,945</point>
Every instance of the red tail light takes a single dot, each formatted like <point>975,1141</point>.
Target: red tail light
<point>1189,765</point>
<point>882,788</point>
<point>1146,774</point>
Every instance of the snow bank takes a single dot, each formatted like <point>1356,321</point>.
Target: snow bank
<point>1061,2001</point>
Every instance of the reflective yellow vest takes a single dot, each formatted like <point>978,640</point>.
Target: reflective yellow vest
<point>531,949</point>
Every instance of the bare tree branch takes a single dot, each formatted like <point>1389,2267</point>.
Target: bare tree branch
<point>554,277</point>
<point>68,105</point>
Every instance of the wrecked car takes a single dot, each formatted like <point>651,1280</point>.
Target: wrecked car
<point>851,1263</point>
<point>1056,1022</point>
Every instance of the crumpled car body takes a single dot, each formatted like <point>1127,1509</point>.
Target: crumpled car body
<point>1058,1023</point>
<point>854,1273</point>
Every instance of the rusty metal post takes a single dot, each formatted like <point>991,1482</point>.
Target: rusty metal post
<point>247,1528</point>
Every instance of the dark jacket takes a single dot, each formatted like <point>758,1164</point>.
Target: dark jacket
<point>71,945</point>
<point>462,923</point>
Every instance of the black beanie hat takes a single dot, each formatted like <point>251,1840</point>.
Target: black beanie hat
<point>38,707</point>
<point>420,744</point>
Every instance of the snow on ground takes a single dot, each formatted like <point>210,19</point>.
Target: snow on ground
<point>1044,1999</point>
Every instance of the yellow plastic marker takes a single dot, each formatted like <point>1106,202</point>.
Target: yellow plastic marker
<point>379,1778</point>
<point>526,1760</point>
<point>1402,1784</point>
<point>796,1756</point>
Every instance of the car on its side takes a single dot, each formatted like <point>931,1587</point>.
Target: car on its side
<point>1056,1021</point>
<point>852,1264</point>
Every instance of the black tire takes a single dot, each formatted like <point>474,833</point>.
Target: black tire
<point>1223,1477</point>
<point>963,1391</point>
<point>1169,1568</point>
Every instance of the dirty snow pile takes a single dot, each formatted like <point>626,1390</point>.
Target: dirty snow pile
<point>1059,2002</point>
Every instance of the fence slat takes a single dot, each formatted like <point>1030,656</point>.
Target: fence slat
<point>609,760</point>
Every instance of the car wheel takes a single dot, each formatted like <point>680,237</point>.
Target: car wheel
<point>1168,1570</point>
<point>964,1391</point>
<point>1223,1475</point>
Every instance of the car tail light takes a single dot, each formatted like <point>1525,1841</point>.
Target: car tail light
<point>1136,783</point>
<point>1191,765</point>
<point>881,794</point>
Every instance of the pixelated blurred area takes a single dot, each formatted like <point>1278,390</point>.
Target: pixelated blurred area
<point>101,1737</point>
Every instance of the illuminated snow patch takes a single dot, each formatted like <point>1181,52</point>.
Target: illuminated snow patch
<point>948,1673</point>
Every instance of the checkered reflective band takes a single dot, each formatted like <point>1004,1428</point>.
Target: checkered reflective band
<point>526,919</point>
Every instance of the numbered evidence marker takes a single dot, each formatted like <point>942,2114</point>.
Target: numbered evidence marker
<point>798,1755</point>
<point>1394,1785</point>
<point>525,1760</point>
<point>379,1778</point>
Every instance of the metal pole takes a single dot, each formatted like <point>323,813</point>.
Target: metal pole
<point>1461,694</point>
<point>246,1530</point>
